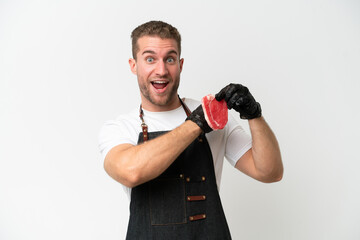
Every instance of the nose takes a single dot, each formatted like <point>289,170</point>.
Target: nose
<point>161,68</point>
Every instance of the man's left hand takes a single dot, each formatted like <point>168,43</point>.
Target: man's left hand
<point>239,98</point>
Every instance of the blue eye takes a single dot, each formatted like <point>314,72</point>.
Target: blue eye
<point>170,60</point>
<point>149,60</point>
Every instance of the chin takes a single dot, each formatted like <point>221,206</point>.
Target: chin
<point>160,102</point>
<point>163,100</point>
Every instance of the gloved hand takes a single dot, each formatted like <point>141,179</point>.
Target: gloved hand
<point>240,99</point>
<point>197,116</point>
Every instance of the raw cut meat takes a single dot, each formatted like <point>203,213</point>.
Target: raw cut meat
<point>216,113</point>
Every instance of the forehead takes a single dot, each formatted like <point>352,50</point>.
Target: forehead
<point>157,44</point>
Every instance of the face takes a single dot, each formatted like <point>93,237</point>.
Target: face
<point>158,67</point>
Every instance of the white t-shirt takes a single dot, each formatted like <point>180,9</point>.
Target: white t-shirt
<point>231,142</point>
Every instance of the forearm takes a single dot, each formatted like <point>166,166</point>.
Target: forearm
<point>138,164</point>
<point>265,151</point>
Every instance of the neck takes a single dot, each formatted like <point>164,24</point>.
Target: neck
<point>148,106</point>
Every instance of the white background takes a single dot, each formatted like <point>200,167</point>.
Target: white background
<point>64,72</point>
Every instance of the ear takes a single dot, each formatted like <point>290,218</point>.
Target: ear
<point>132,63</point>
<point>181,64</point>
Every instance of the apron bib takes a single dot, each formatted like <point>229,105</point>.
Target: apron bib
<point>183,202</point>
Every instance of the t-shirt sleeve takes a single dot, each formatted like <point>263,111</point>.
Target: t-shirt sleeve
<point>238,141</point>
<point>113,133</point>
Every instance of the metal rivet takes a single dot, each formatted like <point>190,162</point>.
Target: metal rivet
<point>188,198</point>
<point>204,197</point>
<point>203,178</point>
<point>188,179</point>
<point>204,215</point>
<point>191,218</point>
<point>181,176</point>
<point>200,140</point>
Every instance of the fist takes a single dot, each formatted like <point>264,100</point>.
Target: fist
<point>240,99</point>
<point>197,116</point>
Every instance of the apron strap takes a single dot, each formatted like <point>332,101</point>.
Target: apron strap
<point>144,127</point>
<point>187,110</point>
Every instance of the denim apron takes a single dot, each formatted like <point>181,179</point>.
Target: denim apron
<point>183,202</point>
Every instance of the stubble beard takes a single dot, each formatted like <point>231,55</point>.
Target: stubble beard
<point>166,100</point>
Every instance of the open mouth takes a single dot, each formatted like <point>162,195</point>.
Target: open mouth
<point>159,85</point>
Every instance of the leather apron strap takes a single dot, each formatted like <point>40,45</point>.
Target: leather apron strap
<point>144,126</point>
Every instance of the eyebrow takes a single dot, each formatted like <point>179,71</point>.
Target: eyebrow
<point>152,52</point>
<point>172,51</point>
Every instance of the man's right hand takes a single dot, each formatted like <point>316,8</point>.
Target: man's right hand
<point>197,116</point>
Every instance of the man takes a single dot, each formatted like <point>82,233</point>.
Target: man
<point>168,159</point>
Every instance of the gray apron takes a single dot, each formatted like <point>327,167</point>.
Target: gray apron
<point>183,202</point>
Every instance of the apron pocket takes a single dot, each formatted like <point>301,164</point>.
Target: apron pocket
<point>167,201</point>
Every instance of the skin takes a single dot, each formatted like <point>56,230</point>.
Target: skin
<point>263,161</point>
<point>158,60</point>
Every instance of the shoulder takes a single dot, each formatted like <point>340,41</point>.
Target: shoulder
<point>123,122</point>
<point>124,129</point>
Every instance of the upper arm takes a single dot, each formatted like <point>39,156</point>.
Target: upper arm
<point>246,165</point>
<point>115,137</point>
<point>239,149</point>
<point>114,164</point>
